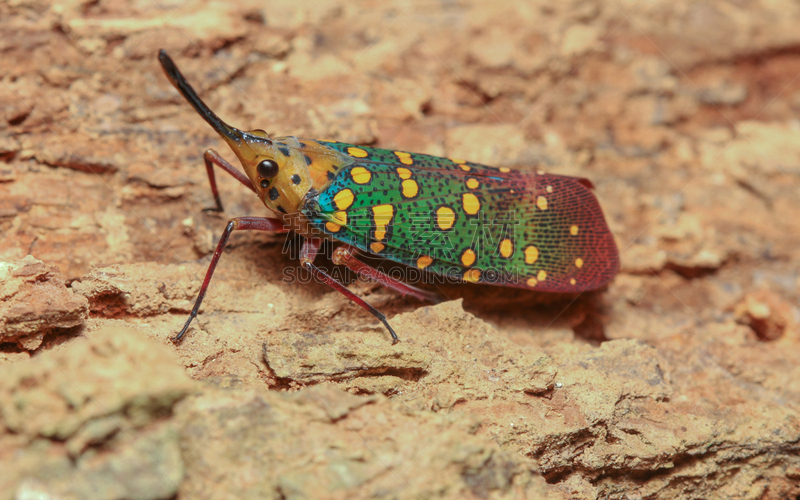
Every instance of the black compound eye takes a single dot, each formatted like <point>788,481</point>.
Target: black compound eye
<point>267,169</point>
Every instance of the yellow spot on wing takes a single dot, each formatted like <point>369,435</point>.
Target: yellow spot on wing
<point>332,227</point>
<point>531,254</point>
<point>532,282</point>
<point>357,152</point>
<point>505,170</point>
<point>572,281</point>
<point>424,262</point>
<point>465,168</point>
<point>506,248</point>
<point>542,275</point>
<point>573,230</point>
<point>549,189</point>
<point>383,216</point>
<point>445,217</point>
<point>468,257</point>
<point>472,275</point>
<point>541,202</point>
<point>457,160</point>
<point>339,218</point>
<point>361,175</point>
<point>579,263</point>
<point>405,158</point>
<point>473,183</point>
<point>471,203</point>
<point>377,247</point>
<point>404,173</point>
<point>343,199</point>
<point>410,188</point>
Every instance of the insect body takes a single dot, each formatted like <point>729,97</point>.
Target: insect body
<point>466,221</point>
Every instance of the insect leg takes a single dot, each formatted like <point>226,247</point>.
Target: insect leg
<point>345,255</point>
<point>307,254</point>
<point>212,158</point>
<point>235,224</point>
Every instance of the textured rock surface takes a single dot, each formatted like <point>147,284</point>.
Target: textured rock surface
<point>92,420</point>
<point>35,301</point>
<point>325,443</point>
<point>679,381</point>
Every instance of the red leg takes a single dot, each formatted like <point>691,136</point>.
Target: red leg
<point>212,158</point>
<point>235,224</point>
<point>307,254</point>
<point>345,255</point>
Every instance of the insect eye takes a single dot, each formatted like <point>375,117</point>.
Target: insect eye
<point>267,169</point>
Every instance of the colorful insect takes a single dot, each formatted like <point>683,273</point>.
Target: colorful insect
<point>466,221</point>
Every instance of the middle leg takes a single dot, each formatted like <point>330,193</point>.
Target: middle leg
<point>307,254</point>
<point>345,255</point>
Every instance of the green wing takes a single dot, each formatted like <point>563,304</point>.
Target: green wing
<point>468,221</point>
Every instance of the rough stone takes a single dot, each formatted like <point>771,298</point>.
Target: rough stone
<point>93,421</point>
<point>34,301</point>
<point>322,442</point>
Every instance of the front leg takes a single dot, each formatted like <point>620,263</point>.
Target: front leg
<point>235,224</point>
<point>211,158</point>
<point>308,253</point>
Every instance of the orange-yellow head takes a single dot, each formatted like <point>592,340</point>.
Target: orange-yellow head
<point>276,167</point>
